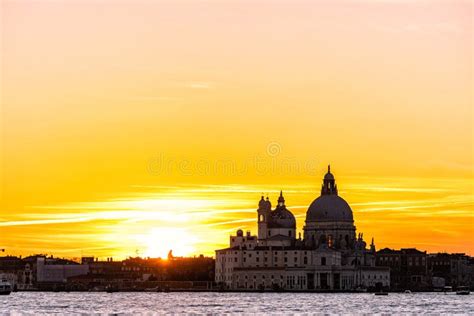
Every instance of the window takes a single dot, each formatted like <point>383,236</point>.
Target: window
<point>289,233</point>
<point>269,233</point>
<point>261,218</point>
<point>305,260</point>
<point>323,261</point>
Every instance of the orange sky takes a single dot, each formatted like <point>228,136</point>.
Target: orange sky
<point>139,126</point>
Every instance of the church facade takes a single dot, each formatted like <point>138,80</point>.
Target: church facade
<point>329,256</point>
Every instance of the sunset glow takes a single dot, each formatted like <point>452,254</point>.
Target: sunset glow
<point>136,127</point>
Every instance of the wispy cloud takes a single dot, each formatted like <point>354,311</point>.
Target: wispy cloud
<point>43,222</point>
<point>211,212</point>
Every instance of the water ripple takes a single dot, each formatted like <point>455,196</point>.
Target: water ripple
<point>42,303</point>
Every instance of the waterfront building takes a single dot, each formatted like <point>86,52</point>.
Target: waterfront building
<point>408,268</point>
<point>17,272</point>
<point>455,269</point>
<point>40,272</point>
<point>141,273</point>
<point>54,271</point>
<point>329,256</point>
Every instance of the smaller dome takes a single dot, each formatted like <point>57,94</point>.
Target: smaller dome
<point>281,217</point>
<point>240,233</point>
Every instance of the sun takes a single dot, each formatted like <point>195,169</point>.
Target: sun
<point>159,241</point>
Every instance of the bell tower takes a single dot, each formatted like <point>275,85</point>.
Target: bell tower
<point>263,213</point>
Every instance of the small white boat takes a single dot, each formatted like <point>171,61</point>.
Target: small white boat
<point>111,289</point>
<point>5,287</point>
<point>407,292</point>
<point>153,289</point>
<point>463,290</point>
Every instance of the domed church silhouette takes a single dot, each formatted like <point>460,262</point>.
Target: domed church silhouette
<point>328,257</point>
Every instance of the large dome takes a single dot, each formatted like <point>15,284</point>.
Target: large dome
<point>329,208</point>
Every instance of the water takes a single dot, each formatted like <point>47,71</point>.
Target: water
<point>218,303</point>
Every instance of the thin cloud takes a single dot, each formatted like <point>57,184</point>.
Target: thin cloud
<point>44,222</point>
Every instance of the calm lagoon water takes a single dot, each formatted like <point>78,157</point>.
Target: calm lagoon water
<point>218,303</point>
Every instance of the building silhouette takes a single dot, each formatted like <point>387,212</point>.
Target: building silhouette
<point>329,256</point>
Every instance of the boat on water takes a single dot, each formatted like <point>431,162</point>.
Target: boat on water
<point>111,289</point>
<point>463,290</point>
<point>152,289</point>
<point>5,287</point>
<point>407,292</point>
